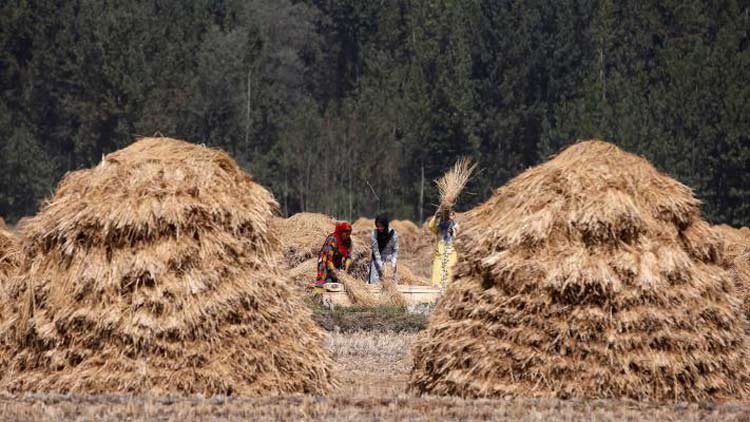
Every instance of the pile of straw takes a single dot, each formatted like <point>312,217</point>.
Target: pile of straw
<point>302,235</point>
<point>453,182</point>
<point>590,276</point>
<point>737,255</point>
<point>153,273</point>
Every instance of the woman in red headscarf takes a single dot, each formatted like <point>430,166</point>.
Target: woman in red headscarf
<point>335,254</point>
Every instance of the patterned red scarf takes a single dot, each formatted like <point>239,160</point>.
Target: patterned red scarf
<point>341,227</point>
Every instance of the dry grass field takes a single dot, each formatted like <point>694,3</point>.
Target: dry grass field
<point>373,367</point>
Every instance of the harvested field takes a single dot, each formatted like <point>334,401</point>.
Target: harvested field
<point>379,364</point>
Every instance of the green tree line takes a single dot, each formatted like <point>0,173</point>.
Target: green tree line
<point>349,107</point>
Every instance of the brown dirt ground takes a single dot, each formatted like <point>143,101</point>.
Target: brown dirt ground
<point>374,371</point>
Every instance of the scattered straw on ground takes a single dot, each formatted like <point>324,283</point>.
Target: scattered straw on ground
<point>590,276</point>
<point>153,273</point>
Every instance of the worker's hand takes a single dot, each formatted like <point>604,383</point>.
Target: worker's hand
<point>393,274</point>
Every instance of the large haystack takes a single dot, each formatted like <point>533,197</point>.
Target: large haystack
<point>153,273</point>
<point>590,276</point>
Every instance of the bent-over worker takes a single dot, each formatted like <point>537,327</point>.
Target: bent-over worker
<point>335,255</point>
<point>384,242</point>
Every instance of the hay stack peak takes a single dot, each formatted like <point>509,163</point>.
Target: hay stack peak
<point>589,276</point>
<point>153,272</point>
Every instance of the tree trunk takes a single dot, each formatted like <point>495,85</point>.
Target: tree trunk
<point>421,195</point>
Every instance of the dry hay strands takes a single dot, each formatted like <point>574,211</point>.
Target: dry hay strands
<point>155,273</point>
<point>305,272</point>
<point>357,290</point>
<point>363,224</point>
<point>391,295</point>
<point>408,277</point>
<point>620,284</point>
<point>737,256</point>
<point>453,182</point>
<point>302,235</point>
<point>10,254</point>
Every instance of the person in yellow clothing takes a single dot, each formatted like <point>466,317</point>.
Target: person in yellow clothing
<point>444,227</point>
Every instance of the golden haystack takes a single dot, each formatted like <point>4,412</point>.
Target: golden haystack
<point>363,224</point>
<point>737,255</point>
<point>590,276</point>
<point>302,235</point>
<point>153,273</point>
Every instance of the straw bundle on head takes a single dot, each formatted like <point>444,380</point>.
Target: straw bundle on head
<point>302,235</point>
<point>590,276</point>
<point>152,273</point>
<point>453,182</point>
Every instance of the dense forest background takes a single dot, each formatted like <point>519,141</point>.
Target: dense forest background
<point>351,106</point>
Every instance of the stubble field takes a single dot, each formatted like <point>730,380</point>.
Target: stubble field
<point>373,370</point>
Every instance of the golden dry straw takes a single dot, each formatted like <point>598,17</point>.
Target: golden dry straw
<point>391,295</point>
<point>305,272</point>
<point>737,255</point>
<point>9,254</point>
<point>453,182</point>
<point>154,273</point>
<point>302,235</point>
<point>408,276</point>
<point>357,290</point>
<point>590,276</point>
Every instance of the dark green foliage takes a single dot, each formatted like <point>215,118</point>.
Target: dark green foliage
<point>342,106</point>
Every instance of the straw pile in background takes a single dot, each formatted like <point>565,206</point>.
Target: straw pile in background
<point>590,276</point>
<point>737,255</point>
<point>453,182</point>
<point>302,235</point>
<point>408,277</point>
<point>153,273</point>
<point>304,273</point>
